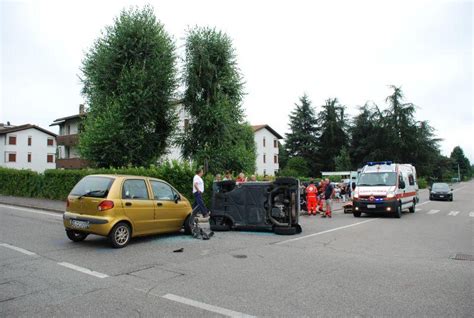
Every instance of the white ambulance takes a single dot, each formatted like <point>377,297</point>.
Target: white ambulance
<point>385,188</point>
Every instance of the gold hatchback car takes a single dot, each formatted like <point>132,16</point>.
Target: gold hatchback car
<point>121,207</point>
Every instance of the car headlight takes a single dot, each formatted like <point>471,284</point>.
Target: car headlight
<point>433,192</point>
<point>390,195</point>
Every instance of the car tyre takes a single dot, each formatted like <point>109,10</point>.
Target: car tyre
<point>451,199</point>
<point>76,236</point>
<point>219,224</point>
<point>412,209</point>
<point>398,212</point>
<point>357,214</point>
<point>120,235</point>
<point>188,224</point>
<point>284,230</point>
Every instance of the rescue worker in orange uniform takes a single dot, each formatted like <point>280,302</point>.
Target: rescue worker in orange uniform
<point>311,197</point>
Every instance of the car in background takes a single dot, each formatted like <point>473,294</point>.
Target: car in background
<point>258,206</point>
<point>441,191</point>
<point>121,207</point>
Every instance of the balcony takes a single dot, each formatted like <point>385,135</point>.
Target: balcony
<point>68,140</point>
<point>72,163</point>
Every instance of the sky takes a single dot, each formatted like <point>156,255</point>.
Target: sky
<point>351,50</point>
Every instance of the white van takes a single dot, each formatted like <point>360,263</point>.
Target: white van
<point>385,188</point>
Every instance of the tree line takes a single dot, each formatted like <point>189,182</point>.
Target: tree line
<point>329,140</point>
<point>131,80</point>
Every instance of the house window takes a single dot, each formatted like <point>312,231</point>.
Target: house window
<point>275,143</point>
<point>50,142</point>
<point>275,159</point>
<point>263,141</point>
<point>11,157</point>
<point>12,140</point>
<point>50,158</point>
<point>29,157</point>
<point>68,129</point>
<point>29,140</point>
<point>264,158</point>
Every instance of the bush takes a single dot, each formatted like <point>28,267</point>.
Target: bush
<point>422,183</point>
<point>56,184</point>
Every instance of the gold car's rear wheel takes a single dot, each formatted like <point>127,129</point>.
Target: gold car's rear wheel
<point>120,235</point>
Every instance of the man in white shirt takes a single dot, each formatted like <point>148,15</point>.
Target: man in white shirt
<point>198,189</point>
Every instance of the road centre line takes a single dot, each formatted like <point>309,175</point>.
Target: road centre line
<point>57,215</point>
<point>453,213</point>
<point>432,211</point>
<point>18,249</point>
<point>423,203</point>
<point>83,270</point>
<point>471,214</point>
<point>198,304</point>
<point>458,189</point>
<point>324,232</point>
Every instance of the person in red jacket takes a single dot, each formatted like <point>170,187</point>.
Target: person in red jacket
<point>311,197</point>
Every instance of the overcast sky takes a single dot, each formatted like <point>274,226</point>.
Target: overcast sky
<point>351,50</point>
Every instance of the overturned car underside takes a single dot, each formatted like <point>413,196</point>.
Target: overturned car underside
<point>269,206</point>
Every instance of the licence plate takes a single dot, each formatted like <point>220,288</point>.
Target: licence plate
<point>441,196</point>
<point>79,224</point>
<point>371,206</point>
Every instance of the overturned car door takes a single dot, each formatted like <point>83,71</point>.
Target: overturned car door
<point>272,206</point>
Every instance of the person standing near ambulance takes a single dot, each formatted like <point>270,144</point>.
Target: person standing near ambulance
<point>311,197</point>
<point>328,197</point>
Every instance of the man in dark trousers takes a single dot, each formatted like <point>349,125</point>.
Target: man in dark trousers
<point>328,196</point>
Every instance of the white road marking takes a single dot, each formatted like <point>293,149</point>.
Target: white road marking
<point>417,209</point>
<point>198,304</point>
<point>432,211</point>
<point>83,270</point>
<point>324,232</point>
<point>471,214</point>
<point>423,203</point>
<point>57,215</point>
<point>18,249</point>
<point>453,213</point>
<point>458,189</point>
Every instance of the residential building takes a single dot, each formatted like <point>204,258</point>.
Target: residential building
<point>68,141</point>
<point>27,147</point>
<point>266,142</point>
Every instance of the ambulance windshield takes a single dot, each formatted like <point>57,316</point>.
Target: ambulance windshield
<point>377,179</point>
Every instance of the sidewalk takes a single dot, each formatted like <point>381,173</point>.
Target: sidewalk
<point>35,203</point>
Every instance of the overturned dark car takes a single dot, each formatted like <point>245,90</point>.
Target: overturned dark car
<point>260,206</point>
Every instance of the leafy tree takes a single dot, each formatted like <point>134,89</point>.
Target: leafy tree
<point>129,76</point>
<point>301,141</point>
<point>213,94</point>
<point>296,167</point>
<point>343,161</point>
<point>282,156</point>
<point>332,126</point>
<point>459,159</point>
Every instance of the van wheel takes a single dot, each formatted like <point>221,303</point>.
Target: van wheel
<point>219,224</point>
<point>188,224</point>
<point>398,212</point>
<point>120,235</point>
<point>76,236</point>
<point>413,207</point>
<point>357,214</point>
<point>284,230</point>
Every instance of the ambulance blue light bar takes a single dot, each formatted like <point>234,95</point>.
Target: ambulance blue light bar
<point>373,163</point>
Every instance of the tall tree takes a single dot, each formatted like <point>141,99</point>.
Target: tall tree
<point>129,77</point>
<point>461,161</point>
<point>332,122</point>
<point>342,162</point>
<point>301,141</point>
<point>217,134</point>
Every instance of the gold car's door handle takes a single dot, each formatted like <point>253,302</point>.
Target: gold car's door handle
<point>128,203</point>
<point>159,204</point>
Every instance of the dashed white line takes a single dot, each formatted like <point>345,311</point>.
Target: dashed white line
<point>83,270</point>
<point>18,249</point>
<point>198,304</point>
<point>422,203</point>
<point>417,209</point>
<point>453,213</point>
<point>324,232</point>
<point>57,215</point>
<point>471,214</point>
<point>432,211</point>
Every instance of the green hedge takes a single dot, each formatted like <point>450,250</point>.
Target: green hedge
<point>56,184</point>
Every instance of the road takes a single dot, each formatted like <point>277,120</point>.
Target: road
<point>339,267</point>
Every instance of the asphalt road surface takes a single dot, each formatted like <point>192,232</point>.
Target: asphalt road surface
<point>339,267</point>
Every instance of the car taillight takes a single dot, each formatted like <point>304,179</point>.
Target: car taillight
<point>105,205</point>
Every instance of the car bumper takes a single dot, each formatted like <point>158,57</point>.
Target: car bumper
<point>386,207</point>
<point>441,196</point>
<point>87,224</point>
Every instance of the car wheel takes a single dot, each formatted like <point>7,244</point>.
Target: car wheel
<point>284,230</point>
<point>219,224</point>
<point>188,224</point>
<point>398,212</point>
<point>76,236</point>
<point>451,199</point>
<point>413,207</point>
<point>120,235</point>
<point>357,214</point>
